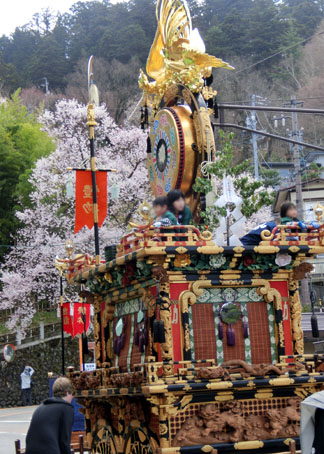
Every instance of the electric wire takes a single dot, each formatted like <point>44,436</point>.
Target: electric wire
<point>281,51</point>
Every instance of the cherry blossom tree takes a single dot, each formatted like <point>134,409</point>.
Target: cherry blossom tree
<point>28,275</point>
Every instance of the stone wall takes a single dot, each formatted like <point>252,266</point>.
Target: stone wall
<point>43,358</point>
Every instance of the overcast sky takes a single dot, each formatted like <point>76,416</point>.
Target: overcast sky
<point>16,13</point>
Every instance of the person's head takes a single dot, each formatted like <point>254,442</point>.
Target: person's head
<point>288,209</point>
<point>62,387</point>
<point>176,201</point>
<point>160,205</point>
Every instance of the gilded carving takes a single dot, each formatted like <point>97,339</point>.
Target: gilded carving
<point>163,429</point>
<point>204,131</point>
<point>165,315</point>
<point>186,337</point>
<point>281,335</point>
<point>295,310</point>
<point>271,295</point>
<point>170,93</point>
<point>187,96</point>
<point>182,260</point>
<point>108,314</point>
<point>198,287</point>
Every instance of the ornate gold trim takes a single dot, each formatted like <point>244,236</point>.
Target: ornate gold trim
<point>271,295</point>
<point>295,314</point>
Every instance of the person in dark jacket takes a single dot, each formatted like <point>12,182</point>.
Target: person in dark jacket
<point>253,238</point>
<point>51,425</point>
<point>177,206</point>
<point>163,217</point>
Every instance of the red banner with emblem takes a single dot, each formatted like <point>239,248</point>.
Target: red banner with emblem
<point>67,319</point>
<point>81,318</point>
<point>83,199</point>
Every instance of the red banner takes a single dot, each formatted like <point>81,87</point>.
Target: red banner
<point>81,318</point>
<point>84,201</point>
<point>67,319</point>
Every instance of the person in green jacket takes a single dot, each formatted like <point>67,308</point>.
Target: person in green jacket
<point>288,214</point>
<point>163,217</point>
<point>177,206</point>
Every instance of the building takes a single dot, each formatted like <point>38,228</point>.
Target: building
<point>313,193</point>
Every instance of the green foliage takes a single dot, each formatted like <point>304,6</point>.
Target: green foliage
<point>22,142</point>
<point>312,171</point>
<point>270,177</point>
<point>252,192</point>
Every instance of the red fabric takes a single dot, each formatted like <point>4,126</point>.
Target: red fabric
<point>175,291</point>
<point>84,202</point>
<point>282,287</point>
<point>67,319</point>
<point>79,326</point>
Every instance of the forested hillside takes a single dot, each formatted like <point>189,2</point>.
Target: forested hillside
<point>52,46</point>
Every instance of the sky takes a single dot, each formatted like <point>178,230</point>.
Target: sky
<point>16,13</point>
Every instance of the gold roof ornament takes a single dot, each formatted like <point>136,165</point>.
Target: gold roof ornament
<point>319,211</point>
<point>144,210</point>
<point>177,55</point>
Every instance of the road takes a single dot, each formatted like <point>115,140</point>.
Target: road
<point>14,423</point>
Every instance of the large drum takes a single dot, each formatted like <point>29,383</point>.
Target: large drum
<point>172,159</point>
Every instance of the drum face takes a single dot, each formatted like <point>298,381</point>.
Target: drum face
<point>172,162</point>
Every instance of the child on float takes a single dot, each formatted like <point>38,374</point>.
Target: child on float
<point>289,216</point>
<point>163,217</point>
<point>177,206</point>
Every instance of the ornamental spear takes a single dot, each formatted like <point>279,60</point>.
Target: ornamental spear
<point>91,123</point>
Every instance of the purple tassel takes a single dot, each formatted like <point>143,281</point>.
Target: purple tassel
<point>220,331</point>
<point>245,330</point>
<point>230,336</point>
<point>136,337</point>
<point>141,343</point>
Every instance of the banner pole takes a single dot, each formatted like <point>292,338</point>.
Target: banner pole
<point>91,123</point>
<point>62,321</point>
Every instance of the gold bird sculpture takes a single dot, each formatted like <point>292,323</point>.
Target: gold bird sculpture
<point>178,53</point>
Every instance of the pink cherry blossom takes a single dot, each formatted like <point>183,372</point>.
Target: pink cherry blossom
<point>29,275</point>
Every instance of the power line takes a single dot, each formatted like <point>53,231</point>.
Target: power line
<point>273,100</point>
<point>272,56</point>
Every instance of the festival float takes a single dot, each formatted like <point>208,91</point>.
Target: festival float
<point>198,345</point>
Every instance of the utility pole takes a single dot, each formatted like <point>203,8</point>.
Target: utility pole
<point>45,85</point>
<point>305,296</point>
<point>296,158</point>
<point>254,141</point>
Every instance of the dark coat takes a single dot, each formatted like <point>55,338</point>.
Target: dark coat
<point>50,428</point>
<point>318,443</point>
<point>185,216</point>
<point>254,236</point>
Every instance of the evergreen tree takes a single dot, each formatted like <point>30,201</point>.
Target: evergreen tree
<point>22,142</point>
